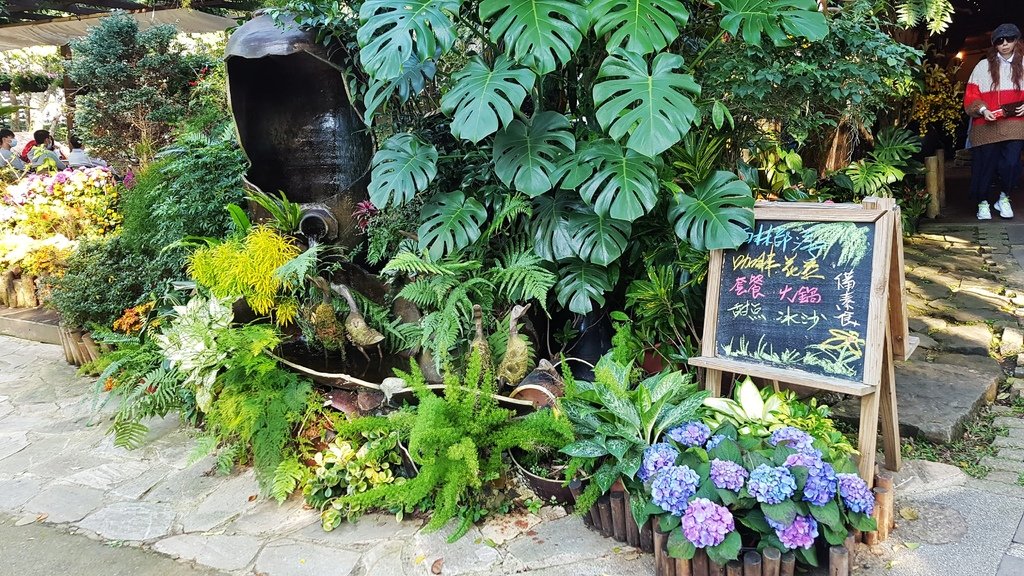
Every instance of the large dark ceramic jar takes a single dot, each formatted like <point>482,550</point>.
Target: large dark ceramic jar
<point>297,126</point>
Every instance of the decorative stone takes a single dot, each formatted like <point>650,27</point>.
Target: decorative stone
<point>1012,342</point>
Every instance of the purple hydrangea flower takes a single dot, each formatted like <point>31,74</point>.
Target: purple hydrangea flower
<point>800,534</point>
<point>691,434</point>
<point>856,494</point>
<point>771,484</point>
<point>795,438</point>
<point>706,523</point>
<point>714,441</point>
<point>656,457</point>
<point>672,487</point>
<point>821,478</point>
<point>728,475</point>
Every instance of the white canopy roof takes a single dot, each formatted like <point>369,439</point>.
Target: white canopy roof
<point>59,31</point>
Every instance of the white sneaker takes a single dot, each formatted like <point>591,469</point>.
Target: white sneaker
<point>1003,205</point>
<point>983,211</point>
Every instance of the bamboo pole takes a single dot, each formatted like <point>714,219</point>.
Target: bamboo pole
<point>664,565</point>
<point>632,530</point>
<point>618,503</point>
<point>771,557</point>
<point>751,564</point>
<point>932,181</point>
<point>838,561</point>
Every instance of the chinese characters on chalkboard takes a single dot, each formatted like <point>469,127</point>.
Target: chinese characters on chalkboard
<point>796,296</point>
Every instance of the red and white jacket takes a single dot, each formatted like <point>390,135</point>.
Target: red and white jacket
<point>982,92</point>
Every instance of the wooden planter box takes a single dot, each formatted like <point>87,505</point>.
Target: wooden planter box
<point>612,518</point>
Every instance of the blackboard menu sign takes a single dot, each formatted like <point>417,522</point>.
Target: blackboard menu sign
<point>805,299</point>
<point>796,296</point>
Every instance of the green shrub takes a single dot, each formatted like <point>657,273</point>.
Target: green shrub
<point>103,278</point>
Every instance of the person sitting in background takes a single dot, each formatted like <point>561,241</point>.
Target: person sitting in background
<point>43,153</point>
<point>8,159</point>
<point>78,158</point>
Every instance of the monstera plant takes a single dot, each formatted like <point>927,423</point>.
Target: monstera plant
<point>565,107</point>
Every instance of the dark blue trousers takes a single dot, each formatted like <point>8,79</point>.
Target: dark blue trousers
<point>987,160</point>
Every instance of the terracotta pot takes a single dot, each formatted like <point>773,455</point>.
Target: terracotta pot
<point>547,488</point>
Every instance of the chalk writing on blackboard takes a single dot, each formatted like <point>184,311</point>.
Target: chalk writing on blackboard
<point>796,296</point>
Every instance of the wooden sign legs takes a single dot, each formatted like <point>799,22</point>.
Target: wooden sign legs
<point>881,403</point>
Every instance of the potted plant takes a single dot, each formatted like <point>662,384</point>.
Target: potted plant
<point>754,481</point>
<point>615,418</point>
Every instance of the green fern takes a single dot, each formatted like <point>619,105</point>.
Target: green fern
<point>936,14</point>
<point>520,275</point>
<point>128,434</point>
<point>287,477</point>
<point>204,446</point>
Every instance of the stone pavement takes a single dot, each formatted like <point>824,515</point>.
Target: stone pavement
<point>57,466</point>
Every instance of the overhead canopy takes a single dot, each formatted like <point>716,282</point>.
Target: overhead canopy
<point>58,31</point>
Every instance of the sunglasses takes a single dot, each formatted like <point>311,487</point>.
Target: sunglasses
<point>1002,39</point>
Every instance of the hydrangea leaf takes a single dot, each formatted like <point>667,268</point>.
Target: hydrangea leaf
<point>727,551</point>
<point>784,512</point>
<point>679,546</point>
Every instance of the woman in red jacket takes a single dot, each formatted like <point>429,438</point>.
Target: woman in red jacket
<point>995,99</point>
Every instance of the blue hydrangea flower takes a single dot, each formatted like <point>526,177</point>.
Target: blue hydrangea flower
<point>856,494</point>
<point>714,441</point>
<point>690,434</point>
<point>728,475</point>
<point>821,478</point>
<point>800,534</point>
<point>795,438</point>
<point>706,523</point>
<point>771,484</point>
<point>672,487</point>
<point>656,457</point>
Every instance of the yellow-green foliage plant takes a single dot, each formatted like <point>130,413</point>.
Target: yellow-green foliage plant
<point>458,441</point>
<point>245,267</point>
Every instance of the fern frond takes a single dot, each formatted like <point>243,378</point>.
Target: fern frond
<point>128,434</point>
<point>205,445</point>
<point>511,209</point>
<point>413,263</point>
<point>293,272</point>
<point>287,476</point>
<point>520,276</point>
<point>936,14</point>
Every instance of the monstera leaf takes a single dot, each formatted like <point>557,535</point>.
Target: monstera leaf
<point>773,18</point>
<point>581,285</point>
<point>413,78</point>
<point>623,183</point>
<point>598,239</point>
<point>540,34</point>
<point>716,215</point>
<point>526,157</point>
<point>652,106</point>
<point>451,222</point>
<point>641,26</point>
<point>394,31</point>
<point>552,233</point>
<point>482,97</point>
<point>402,167</point>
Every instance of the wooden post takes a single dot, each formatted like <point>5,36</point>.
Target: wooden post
<point>884,479</point>
<point>883,501</point>
<point>618,503</point>
<point>838,561</point>
<point>632,530</point>
<point>734,568</point>
<point>664,565</point>
<point>932,181</point>
<point>683,567</point>
<point>604,507</point>
<point>940,155</point>
<point>647,537</point>
<point>700,563</point>
<point>69,95</point>
<point>787,564</point>
<point>771,558</point>
<point>714,568</point>
<point>851,547</point>
<point>751,564</point>
<point>576,489</point>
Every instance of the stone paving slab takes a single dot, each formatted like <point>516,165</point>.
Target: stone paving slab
<point>290,558</point>
<point>216,551</point>
<point>65,503</point>
<point>131,521</point>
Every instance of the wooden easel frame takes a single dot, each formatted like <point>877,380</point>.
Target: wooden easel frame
<point>886,338</point>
